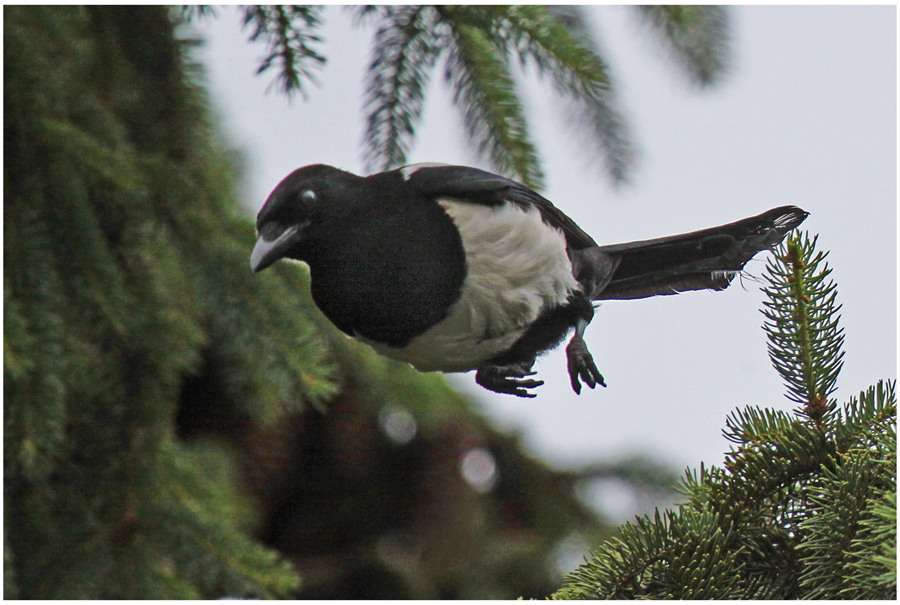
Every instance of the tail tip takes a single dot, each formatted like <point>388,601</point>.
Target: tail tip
<point>787,218</point>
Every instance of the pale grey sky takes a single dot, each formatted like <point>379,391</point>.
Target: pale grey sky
<point>807,116</point>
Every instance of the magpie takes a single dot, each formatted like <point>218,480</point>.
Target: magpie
<point>453,269</point>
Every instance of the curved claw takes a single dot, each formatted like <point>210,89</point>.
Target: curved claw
<point>509,380</point>
<point>581,366</point>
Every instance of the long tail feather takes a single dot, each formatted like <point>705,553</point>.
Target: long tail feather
<point>707,259</point>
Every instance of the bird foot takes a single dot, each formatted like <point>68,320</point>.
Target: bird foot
<point>510,380</point>
<point>581,365</point>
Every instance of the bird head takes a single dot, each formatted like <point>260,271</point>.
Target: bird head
<point>295,204</point>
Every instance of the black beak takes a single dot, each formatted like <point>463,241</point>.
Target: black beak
<point>272,244</point>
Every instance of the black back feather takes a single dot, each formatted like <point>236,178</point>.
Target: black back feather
<point>480,187</point>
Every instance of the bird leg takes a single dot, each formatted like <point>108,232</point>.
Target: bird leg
<point>580,362</point>
<point>509,379</point>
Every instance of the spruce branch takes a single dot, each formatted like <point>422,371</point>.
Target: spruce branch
<point>805,340</point>
<point>477,43</point>
<point>405,50</point>
<point>557,41</point>
<point>804,506</point>
<point>290,34</point>
<point>696,36</point>
<point>485,91</point>
<point>873,562</point>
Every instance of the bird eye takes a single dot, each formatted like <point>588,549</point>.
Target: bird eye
<point>308,196</point>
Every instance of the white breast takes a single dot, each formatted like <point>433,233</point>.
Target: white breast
<point>517,267</point>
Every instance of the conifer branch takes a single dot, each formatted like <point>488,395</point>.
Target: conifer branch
<point>558,43</point>
<point>805,340</point>
<point>697,36</point>
<point>479,41</point>
<point>405,50</point>
<point>867,418</point>
<point>290,34</point>
<point>485,91</point>
<point>803,506</point>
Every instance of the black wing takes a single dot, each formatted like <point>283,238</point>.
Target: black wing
<point>480,187</point>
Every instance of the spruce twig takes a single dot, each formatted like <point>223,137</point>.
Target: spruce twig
<point>803,506</point>
<point>805,341</point>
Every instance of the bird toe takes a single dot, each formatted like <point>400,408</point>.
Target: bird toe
<point>509,380</point>
<point>581,366</point>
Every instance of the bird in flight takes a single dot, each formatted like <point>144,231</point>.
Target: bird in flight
<point>453,269</point>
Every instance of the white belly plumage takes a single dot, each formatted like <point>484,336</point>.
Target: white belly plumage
<point>517,267</point>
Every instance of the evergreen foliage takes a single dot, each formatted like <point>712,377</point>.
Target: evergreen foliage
<point>478,44</point>
<point>290,33</point>
<point>696,36</point>
<point>120,243</point>
<point>805,505</point>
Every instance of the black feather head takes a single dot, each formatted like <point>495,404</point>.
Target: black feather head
<point>301,199</point>
<point>302,193</point>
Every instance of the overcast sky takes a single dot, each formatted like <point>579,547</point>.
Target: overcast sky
<point>806,116</point>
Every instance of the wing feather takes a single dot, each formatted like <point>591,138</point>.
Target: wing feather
<point>480,187</point>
